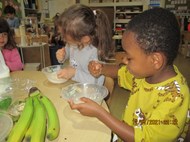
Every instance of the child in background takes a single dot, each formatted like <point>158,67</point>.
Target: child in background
<point>12,20</point>
<point>88,37</point>
<point>8,47</point>
<point>158,107</point>
<point>55,40</point>
<point>56,37</point>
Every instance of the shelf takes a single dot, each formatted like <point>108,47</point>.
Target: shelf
<point>117,37</point>
<point>30,9</point>
<point>101,4</point>
<point>128,3</point>
<point>128,12</point>
<point>122,20</point>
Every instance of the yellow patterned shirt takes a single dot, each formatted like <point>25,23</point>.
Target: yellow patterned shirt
<point>158,112</point>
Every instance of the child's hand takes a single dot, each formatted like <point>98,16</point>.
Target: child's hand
<point>95,68</point>
<point>67,73</point>
<point>88,107</point>
<point>60,54</point>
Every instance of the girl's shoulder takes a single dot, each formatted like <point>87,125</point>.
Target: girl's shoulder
<point>91,47</point>
<point>9,50</point>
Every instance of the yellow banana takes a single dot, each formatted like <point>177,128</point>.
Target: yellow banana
<point>53,119</point>
<point>37,129</point>
<point>19,129</point>
<point>32,93</point>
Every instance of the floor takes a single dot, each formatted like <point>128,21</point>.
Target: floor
<point>120,96</point>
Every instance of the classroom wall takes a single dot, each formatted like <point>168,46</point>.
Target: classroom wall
<point>59,6</point>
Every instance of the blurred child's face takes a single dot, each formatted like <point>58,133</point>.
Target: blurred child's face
<point>3,39</point>
<point>138,63</point>
<point>70,41</point>
<point>10,16</point>
<point>59,29</point>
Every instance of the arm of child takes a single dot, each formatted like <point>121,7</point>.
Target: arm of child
<point>60,54</point>
<point>17,23</point>
<point>92,109</point>
<point>67,73</point>
<point>96,69</point>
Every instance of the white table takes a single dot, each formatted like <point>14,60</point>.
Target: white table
<point>35,45</point>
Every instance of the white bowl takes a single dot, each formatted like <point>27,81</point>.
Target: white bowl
<point>51,73</point>
<point>92,91</point>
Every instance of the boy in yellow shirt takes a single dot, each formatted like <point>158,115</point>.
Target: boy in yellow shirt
<point>158,108</point>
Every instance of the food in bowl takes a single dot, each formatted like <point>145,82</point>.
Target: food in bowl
<point>75,91</point>
<point>51,73</point>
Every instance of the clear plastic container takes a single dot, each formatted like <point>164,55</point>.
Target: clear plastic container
<point>4,84</point>
<point>6,125</point>
<point>75,91</point>
<point>13,89</point>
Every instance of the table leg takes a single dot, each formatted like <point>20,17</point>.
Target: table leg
<point>43,56</point>
<point>22,56</point>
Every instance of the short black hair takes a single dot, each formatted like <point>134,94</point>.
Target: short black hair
<point>157,30</point>
<point>9,10</point>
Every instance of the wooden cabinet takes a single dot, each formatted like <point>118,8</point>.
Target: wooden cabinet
<point>33,55</point>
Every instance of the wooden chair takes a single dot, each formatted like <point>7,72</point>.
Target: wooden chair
<point>187,139</point>
<point>109,84</point>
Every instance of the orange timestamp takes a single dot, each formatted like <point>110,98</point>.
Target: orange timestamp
<point>156,122</point>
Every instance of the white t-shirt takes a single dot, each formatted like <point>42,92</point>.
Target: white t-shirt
<point>79,59</point>
<point>4,75</point>
<point>4,70</point>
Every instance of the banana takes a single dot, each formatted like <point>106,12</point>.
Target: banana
<point>19,129</point>
<point>53,119</point>
<point>33,92</point>
<point>37,129</point>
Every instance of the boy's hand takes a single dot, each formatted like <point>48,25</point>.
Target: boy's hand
<point>88,107</point>
<point>60,54</point>
<point>67,72</point>
<point>95,68</point>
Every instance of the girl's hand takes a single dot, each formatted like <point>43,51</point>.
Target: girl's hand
<point>67,72</point>
<point>60,54</point>
<point>95,68</point>
<point>88,107</point>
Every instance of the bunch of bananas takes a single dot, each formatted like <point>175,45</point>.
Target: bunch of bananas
<point>31,126</point>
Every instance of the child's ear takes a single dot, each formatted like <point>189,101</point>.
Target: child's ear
<point>158,60</point>
<point>85,39</point>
